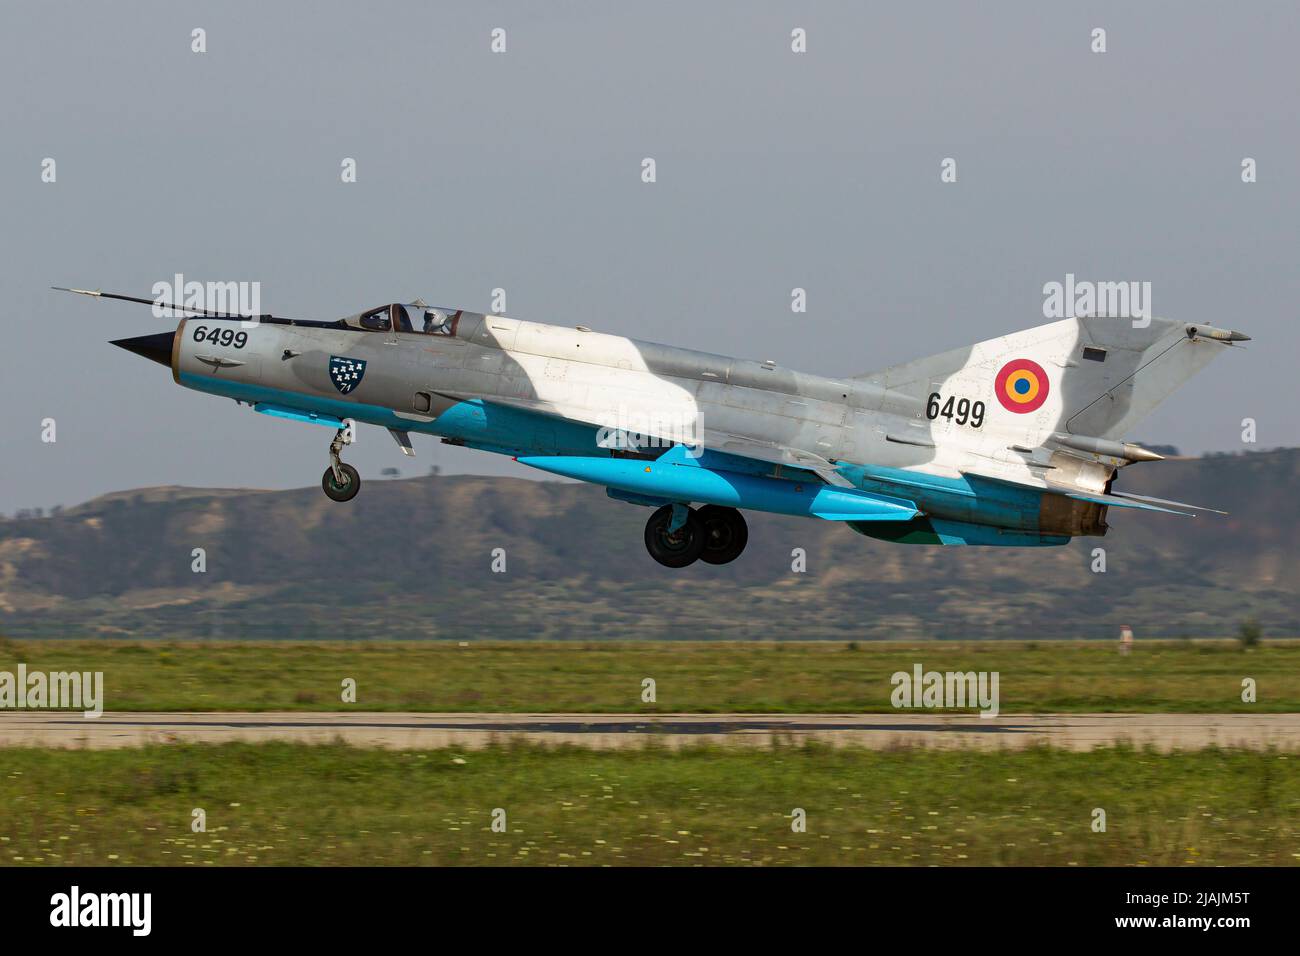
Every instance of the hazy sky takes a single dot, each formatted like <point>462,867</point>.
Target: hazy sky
<point>522,170</point>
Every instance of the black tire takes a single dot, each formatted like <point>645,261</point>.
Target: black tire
<point>674,550</point>
<point>725,534</point>
<point>345,492</point>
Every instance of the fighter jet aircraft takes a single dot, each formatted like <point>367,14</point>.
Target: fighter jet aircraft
<point>1015,441</point>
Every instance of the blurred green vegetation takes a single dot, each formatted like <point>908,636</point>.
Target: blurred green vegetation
<point>703,677</point>
<point>333,805</point>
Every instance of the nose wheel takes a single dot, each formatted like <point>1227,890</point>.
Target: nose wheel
<point>340,481</point>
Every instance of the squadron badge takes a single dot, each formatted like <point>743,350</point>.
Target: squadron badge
<point>346,372</point>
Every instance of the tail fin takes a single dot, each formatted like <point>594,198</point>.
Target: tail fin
<point>1087,376</point>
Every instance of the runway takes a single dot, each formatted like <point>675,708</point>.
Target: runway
<point>613,731</point>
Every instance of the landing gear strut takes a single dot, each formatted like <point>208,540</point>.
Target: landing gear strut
<point>340,481</point>
<point>677,536</point>
<point>674,547</point>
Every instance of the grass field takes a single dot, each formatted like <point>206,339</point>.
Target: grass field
<point>335,805</point>
<point>1174,676</point>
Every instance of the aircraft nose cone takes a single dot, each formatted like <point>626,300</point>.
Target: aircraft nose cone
<point>157,348</point>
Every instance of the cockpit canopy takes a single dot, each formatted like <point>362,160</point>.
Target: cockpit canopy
<point>414,317</point>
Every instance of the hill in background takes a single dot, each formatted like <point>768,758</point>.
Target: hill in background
<point>413,558</point>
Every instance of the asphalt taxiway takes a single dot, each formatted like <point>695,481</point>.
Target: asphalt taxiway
<point>612,731</point>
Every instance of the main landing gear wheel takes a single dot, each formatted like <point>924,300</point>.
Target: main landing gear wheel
<point>725,534</point>
<point>345,491</point>
<point>678,548</point>
<point>340,481</point>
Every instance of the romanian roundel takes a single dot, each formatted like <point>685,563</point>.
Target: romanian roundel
<point>1022,386</point>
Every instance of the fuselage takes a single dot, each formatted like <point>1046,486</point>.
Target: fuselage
<point>413,380</point>
<point>528,389</point>
<point>1011,441</point>
<point>576,381</point>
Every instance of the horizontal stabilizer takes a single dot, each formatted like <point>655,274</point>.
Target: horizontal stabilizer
<point>1112,501</point>
<point>1116,499</point>
<point>1163,501</point>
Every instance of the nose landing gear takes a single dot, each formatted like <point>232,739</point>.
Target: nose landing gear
<point>340,481</point>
